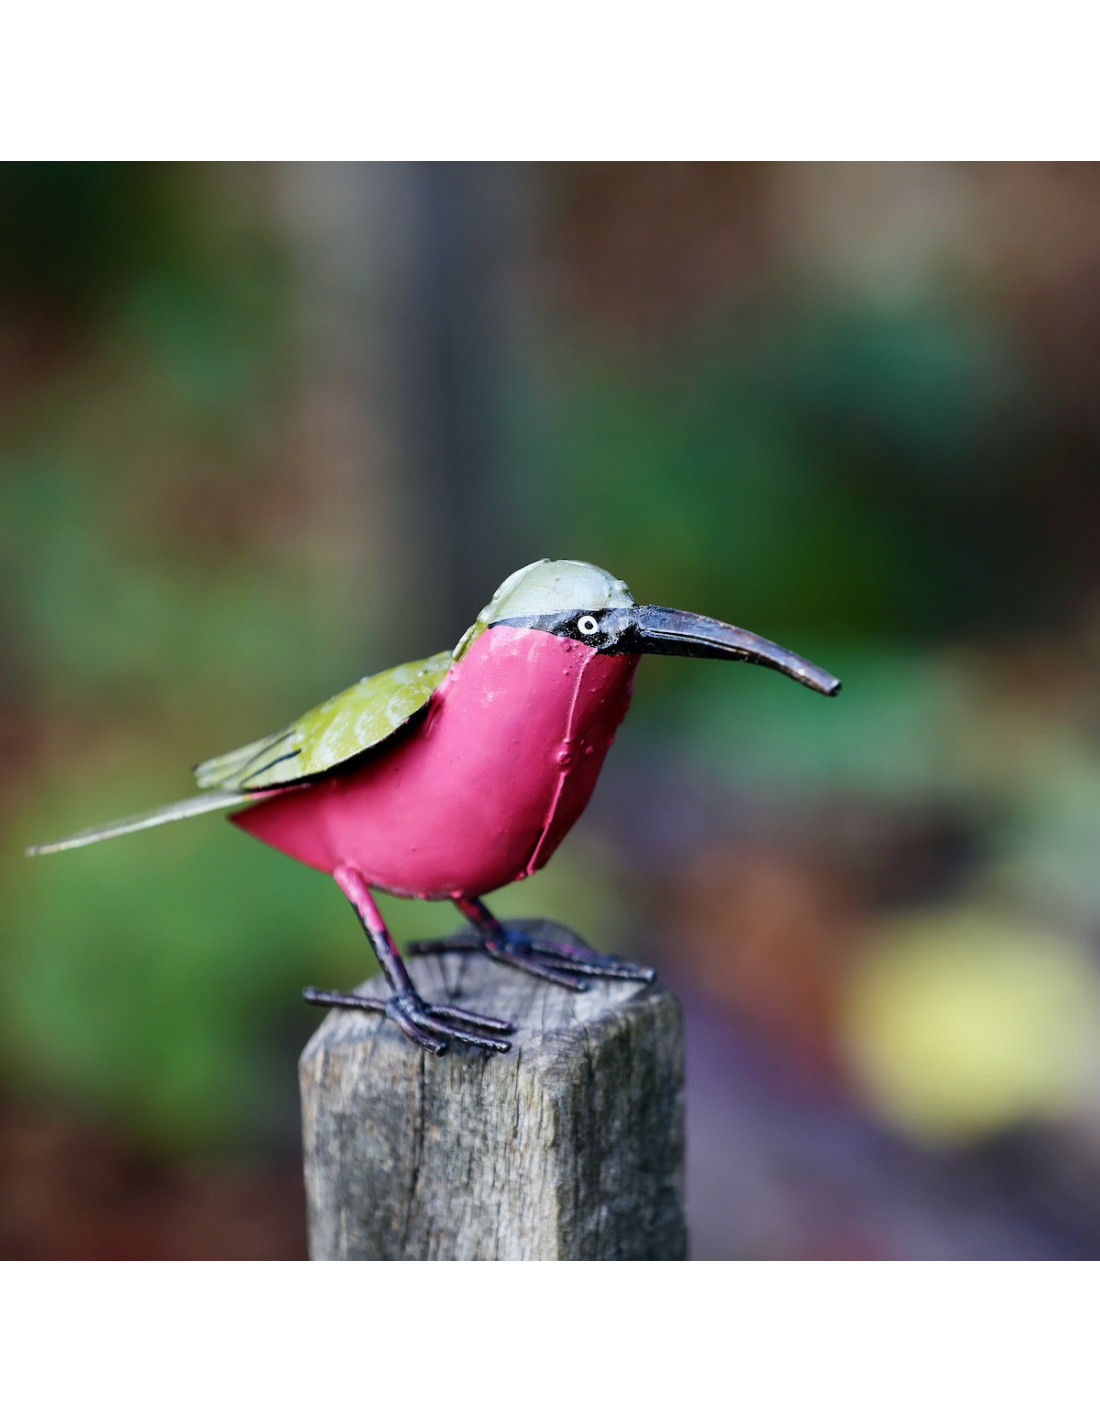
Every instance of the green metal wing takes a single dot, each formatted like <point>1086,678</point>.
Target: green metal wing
<point>340,728</point>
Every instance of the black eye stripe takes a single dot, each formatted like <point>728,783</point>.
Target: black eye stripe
<point>559,622</point>
<point>606,636</point>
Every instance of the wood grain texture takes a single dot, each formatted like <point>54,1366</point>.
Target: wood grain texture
<point>569,1147</point>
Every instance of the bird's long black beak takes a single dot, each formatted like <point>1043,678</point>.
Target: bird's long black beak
<point>669,633</point>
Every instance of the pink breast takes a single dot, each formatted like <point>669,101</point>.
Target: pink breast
<point>479,791</point>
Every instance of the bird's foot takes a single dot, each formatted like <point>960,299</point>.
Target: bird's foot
<point>567,964</point>
<point>432,1026</point>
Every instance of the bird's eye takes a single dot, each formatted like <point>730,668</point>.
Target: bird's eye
<point>587,625</point>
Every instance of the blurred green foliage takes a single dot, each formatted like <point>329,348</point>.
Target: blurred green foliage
<point>812,469</point>
<point>155,617</point>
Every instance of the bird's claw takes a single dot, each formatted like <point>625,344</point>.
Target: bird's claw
<point>432,1026</point>
<point>566,964</point>
<point>597,965</point>
<point>442,1024</point>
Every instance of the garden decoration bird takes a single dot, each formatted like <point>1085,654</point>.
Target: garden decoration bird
<point>450,777</point>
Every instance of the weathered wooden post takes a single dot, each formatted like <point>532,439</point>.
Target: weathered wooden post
<point>569,1147</point>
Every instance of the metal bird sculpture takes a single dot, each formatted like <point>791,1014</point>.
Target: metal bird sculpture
<point>450,777</point>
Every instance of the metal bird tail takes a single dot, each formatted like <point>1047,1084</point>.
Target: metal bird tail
<point>181,810</point>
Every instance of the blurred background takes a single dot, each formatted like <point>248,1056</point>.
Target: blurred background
<point>266,428</point>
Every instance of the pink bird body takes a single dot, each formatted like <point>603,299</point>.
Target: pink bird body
<point>478,793</point>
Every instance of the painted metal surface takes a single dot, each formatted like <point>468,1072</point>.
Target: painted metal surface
<point>452,776</point>
<point>483,789</point>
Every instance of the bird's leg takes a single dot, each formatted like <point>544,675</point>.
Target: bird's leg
<point>567,964</point>
<point>430,1025</point>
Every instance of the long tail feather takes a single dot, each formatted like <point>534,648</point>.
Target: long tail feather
<point>181,810</point>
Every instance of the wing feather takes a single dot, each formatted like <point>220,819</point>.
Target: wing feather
<point>341,728</point>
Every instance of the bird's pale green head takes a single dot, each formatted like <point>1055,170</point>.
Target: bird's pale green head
<point>555,585</point>
<point>552,585</point>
